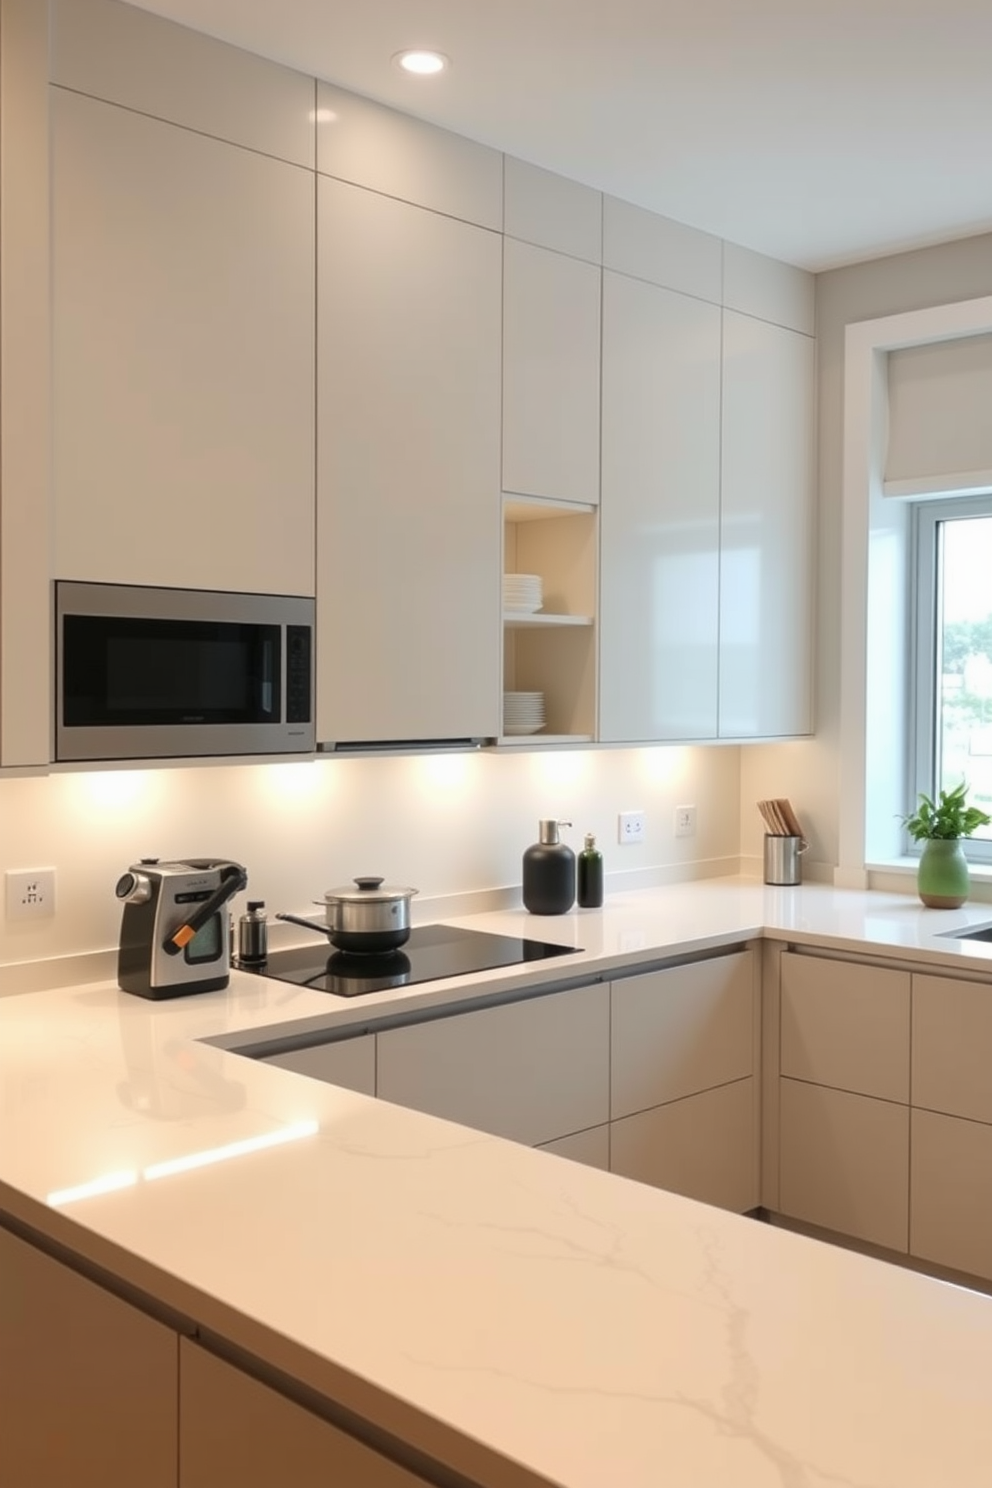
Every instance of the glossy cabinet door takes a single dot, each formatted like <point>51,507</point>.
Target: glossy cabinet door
<point>551,334</point>
<point>88,1385</point>
<point>236,1430</point>
<point>183,350</point>
<point>534,1070</point>
<point>408,442</point>
<point>660,514</point>
<point>766,516</point>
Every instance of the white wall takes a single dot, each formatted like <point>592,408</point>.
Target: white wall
<point>808,771</point>
<point>444,824</point>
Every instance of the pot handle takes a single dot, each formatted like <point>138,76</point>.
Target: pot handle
<point>369,883</point>
<point>308,924</point>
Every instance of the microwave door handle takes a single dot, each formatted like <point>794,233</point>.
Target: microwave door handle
<point>233,879</point>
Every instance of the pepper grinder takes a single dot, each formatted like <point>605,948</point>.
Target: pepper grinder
<point>253,946</point>
<point>549,872</point>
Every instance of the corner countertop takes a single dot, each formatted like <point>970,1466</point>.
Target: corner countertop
<point>490,1304</point>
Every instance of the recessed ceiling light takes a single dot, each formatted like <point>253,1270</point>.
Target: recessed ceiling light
<point>420,62</point>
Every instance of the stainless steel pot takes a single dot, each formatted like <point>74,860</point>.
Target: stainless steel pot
<point>369,917</point>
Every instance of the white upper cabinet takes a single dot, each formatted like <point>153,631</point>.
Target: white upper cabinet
<point>183,356</point>
<point>128,56</point>
<point>766,530</point>
<point>552,211</point>
<point>767,289</point>
<point>646,246</point>
<point>370,145</point>
<point>408,472</point>
<point>660,514</point>
<point>551,352</point>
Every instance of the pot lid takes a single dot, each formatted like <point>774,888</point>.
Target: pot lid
<point>367,891</point>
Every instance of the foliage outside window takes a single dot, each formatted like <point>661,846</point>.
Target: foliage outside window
<point>953,704</point>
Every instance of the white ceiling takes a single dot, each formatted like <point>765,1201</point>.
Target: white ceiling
<point>820,133</point>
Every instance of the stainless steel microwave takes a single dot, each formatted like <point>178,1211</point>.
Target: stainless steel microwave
<point>146,673</point>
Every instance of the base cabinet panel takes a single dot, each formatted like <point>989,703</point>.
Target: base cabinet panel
<point>702,1147</point>
<point>88,1392</point>
<point>235,1430</point>
<point>533,1071</point>
<point>952,1047</point>
<point>844,1163</point>
<point>846,1026</point>
<point>681,1030</point>
<point>349,1063</point>
<point>589,1147</point>
<point>951,1185</point>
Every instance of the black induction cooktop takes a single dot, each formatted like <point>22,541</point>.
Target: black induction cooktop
<point>432,953</point>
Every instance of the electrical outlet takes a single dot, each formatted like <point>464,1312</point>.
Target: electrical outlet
<point>631,826</point>
<point>685,821</point>
<point>30,893</point>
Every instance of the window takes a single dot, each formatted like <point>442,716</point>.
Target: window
<point>952,733</point>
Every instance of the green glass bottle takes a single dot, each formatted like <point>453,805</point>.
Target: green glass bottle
<point>590,875</point>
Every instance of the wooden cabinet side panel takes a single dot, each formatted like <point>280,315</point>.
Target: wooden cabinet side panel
<point>951,1188</point>
<point>845,1163</point>
<point>589,1147</point>
<point>681,1030</point>
<point>702,1147</point>
<point>532,1071</point>
<point>846,1026</point>
<point>952,1047</point>
<point>88,1384</point>
<point>235,1430</point>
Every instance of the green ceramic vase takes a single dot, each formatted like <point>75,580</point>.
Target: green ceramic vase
<point>943,880</point>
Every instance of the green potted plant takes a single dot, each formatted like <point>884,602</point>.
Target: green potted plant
<point>942,879</point>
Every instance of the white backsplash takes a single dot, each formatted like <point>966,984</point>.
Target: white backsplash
<point>450,825</point>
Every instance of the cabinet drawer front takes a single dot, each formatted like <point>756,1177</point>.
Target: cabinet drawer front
<point>952,1047</point>
<point>531,1071</point>
<point>234,1429</point>
<point>846,1026</point>
<point>349,1063</point>
<point>679,1031</point>
<point>951,1212</point>
<point>845,1163</point>
<point>589,1147</point>
<point>702,1147</point>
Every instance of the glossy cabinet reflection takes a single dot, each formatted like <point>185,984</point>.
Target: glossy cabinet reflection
<point>660,514</point>
<point>408,449</point>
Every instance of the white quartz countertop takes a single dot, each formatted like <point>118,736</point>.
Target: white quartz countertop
<point>488,1303</point>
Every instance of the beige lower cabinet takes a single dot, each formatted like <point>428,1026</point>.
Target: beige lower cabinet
<point>349,1063</point>
<point>589,1147</point>
<point>88,1384</point>
<point>846,1026</point>
<point>844,1163</point>
<point>236,1431</point>
<point>534,1070</point>
<point>682,1096</point>
<point>951,1192</point>
<point>702,1146</point>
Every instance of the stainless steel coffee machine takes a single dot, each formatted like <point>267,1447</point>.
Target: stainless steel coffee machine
<point>175,930</point>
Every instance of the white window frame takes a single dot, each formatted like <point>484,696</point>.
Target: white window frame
<point>874,647</point>
<point>925,608</point>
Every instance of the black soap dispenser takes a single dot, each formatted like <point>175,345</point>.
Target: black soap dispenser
<point>549,872</point>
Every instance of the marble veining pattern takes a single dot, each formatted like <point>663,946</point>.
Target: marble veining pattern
<point>591,1330</point>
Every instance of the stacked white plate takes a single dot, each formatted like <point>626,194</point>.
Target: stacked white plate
<point>523,712</point>
<point>522,593</point>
